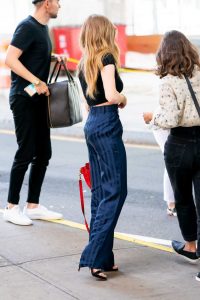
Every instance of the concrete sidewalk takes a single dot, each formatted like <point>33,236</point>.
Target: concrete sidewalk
<point>40,262</point>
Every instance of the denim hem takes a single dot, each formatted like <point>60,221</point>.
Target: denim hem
<point>190,238</point>
<point>91,266</point>
<point>13,202</point>
<point>33,201</point>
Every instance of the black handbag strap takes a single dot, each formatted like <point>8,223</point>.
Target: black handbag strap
<point>58,65</point>
<point>193,95</point>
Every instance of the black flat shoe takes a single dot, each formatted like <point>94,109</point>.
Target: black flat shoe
<point>198,276</point>
<point>187,255</point>
<point>99,274</point>
<point>112,269</point>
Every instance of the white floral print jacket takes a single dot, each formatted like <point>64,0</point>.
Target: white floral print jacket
<point>176,107</point>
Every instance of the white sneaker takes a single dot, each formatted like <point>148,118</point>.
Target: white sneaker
<point>15,216</point>
<point>41,213</point>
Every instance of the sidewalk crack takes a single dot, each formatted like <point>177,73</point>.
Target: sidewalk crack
<point>48,282</point>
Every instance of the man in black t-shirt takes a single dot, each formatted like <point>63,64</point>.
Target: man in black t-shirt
<point>29,57</point>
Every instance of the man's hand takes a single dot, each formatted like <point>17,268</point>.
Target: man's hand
<point>42,88</point>
<point>58,57</point>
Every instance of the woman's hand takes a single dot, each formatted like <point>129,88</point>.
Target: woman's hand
<point>123,103</point>
<point>87,107</point>
<point>147,116</point>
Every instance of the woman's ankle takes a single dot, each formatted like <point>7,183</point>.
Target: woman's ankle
<point>190,246</point>
<point>171,205</point>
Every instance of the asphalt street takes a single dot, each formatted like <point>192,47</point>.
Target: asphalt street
<point>144,212</point>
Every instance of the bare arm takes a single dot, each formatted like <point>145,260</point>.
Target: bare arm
<point>13,62</point>
<point>111,93</point>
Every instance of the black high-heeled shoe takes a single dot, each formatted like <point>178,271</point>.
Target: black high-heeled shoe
<point>112,269</point>
<point>99,274</point>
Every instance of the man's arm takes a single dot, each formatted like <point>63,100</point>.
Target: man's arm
<point>13,62</point>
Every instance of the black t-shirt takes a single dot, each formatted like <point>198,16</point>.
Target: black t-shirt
<point>99,97</point>
<point>33,39</point>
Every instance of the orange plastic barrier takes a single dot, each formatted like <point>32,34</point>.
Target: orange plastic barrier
<point>143,43</point>
<point>4,70</point>
<point>5,81</point>
<point>4,73</point>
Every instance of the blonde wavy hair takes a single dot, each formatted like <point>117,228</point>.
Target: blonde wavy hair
<point>97,38</point>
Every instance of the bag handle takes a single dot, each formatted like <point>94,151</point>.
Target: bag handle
<point>59,65</point>
<point>82,202</point>
<point>194,98</point>
<point>53,71</point>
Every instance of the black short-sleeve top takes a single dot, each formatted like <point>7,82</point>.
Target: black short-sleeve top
<point>99,97</point>
<point>33,39</point>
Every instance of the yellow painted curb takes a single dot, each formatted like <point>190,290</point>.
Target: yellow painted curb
<point>117,235</point>
<point>124,237</point>
<point>124,70</point>
<point>82,140</point>
<point>9,132</point>
<point>69,223</point>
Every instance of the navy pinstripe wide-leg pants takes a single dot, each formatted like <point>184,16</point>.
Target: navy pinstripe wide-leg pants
<point>107,156</point>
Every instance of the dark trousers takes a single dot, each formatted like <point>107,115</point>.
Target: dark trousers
<point>34,146</point>
<point>182,158</point>
<point>107,156</point>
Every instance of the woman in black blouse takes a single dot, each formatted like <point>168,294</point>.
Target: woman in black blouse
<point>102,88</point>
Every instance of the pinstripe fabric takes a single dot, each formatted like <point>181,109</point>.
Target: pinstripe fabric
<point>107,156</point>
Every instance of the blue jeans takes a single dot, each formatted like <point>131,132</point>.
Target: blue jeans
<point>182,159</point>
<point>107,157</point>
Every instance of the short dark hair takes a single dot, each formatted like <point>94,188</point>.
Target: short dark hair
<point>36,1</point>
<point>176,55</point>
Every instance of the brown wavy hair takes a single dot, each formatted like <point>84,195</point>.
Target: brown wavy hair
<point>97,38</point>
<point>176,55</point>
